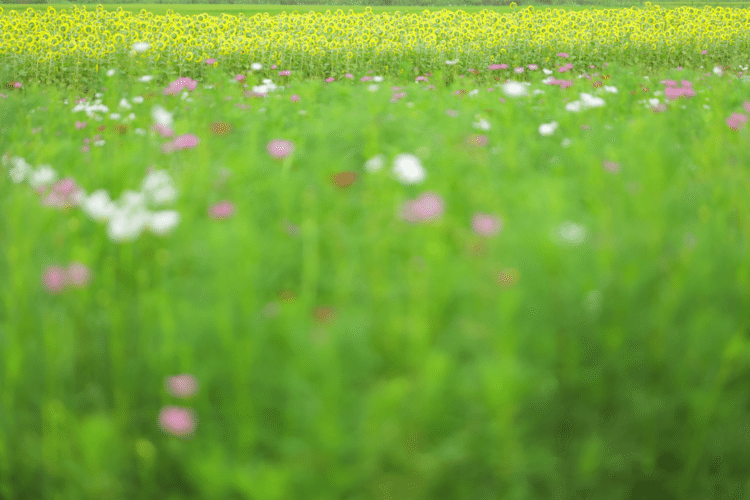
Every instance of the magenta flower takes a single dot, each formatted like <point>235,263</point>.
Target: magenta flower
<point>163,130</point>
<point>178,421</point>
<point>57,278</point>
<point>563,54</point>
<point>221,210</point>
<point>486,224</point>
<point>181,386</point>
<point>78,274</point>
<point>62,194</point>
<point>185,141</point>
<point>611,166</point>
<point>210,61</point>
<point>279,148</point>
<point>736,120</point>
<point>80,125</point>
<point>477,140</point>
<point>179,84</point>
<point>349,76</point>
<point>330,79</point>
<point>285,73</point>
<point>294,98</point>
<point>426,207</point>
<point>239,78</point>
<point>54,279</point>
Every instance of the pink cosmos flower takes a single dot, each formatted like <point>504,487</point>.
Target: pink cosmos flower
<point>279,148</point>
<point>426,207</point>
<point>78,274</point>
<point>185,141</point>
<point>54,279</point>
<point>221,210</point>
<point>163,130</point>
<point>477,140</point>
<point>736,120</point>
<point>57,278</point>
<point>486,224</point>
<point>210,61</point>
<point>181,386</point>
<point>177,421</point>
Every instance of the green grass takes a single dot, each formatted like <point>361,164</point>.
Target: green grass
<point>359,355</point>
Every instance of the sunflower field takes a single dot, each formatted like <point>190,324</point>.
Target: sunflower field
<point>71,45</point>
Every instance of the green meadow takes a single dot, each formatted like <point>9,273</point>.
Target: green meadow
<point>411,252</point>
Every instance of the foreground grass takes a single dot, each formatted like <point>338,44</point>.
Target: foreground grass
<point>535,330</point>
<point>441,288</point>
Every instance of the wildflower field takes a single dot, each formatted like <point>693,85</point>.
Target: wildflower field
<point>440,254</point>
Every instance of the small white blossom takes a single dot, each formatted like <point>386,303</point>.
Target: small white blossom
<point>481,124</point>
<point>140,46</point>
<point>407,169</point>
<point>161,222</point>
<point>570,232</point>
<point>45,175</point>
<point>547,129</point>
<point>375,163</point>
<point>514,89</point>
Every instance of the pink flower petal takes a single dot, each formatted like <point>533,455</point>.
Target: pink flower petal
<point>177,421</point>
<point>182,386</point>
<point>54,279</point>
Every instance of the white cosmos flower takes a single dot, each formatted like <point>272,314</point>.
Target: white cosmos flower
<point>569,232</point>
<point>587,101</point>
<point>256,66</point>
<point>161,222</point>
<point>127,225</point>
<point>45,175</point>
<point>140,46</point>
<point>408,169</point>
<point>375,163</point>
<point>110,72</point>
<point>158,187</point>
<point>161,116</point>
<point>481,124</point>
<point>19,170</point>
<point>547,129</point>
<point>98,206</point>
<point>514,89</point>
<point>146,78</point>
